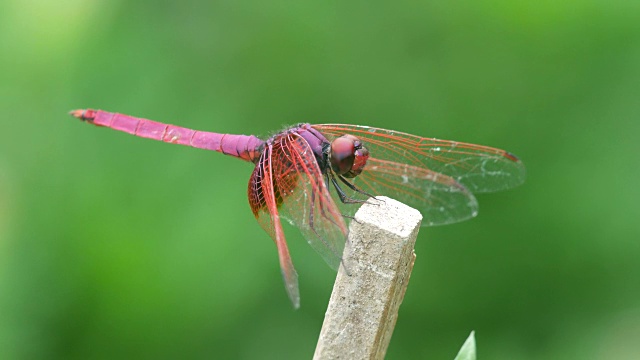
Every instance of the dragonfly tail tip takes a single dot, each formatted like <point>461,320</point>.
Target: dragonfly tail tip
<point>82,114</point>
<point>77,113</point>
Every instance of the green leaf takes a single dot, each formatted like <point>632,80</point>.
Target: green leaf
<point>468,349</point>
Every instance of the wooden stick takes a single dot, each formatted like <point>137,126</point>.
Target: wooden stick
<point>367,293</point>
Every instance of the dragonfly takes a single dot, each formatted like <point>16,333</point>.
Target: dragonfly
<point>315,176</point>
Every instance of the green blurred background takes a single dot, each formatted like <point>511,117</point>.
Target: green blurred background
<point>113,246</point>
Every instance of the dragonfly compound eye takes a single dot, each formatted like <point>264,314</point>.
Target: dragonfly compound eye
<point>348,156</point>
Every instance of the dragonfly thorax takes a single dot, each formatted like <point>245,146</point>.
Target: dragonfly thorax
<point>348,156</point>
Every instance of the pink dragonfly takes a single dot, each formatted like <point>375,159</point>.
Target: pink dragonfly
<point>296,169</point>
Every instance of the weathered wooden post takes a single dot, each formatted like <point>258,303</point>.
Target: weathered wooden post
<point>366,296</point>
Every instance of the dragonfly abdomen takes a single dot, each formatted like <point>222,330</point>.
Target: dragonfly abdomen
<point>246,147</point>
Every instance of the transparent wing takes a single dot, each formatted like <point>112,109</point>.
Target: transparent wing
<point>435,176</point>
<point>440,199</point>
<point>479,168</point>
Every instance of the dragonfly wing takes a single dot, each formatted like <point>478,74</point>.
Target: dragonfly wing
<point>479,168</point>
<point>263,200</point>
<point>305,200</point>
<point>438,177</point>
<point>440,198</point>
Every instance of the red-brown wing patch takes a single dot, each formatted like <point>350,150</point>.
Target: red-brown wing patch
<point>264,204</point>
<point>305,200</point>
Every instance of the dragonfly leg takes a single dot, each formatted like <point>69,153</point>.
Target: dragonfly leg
<point>343,196</point>
<point>358,190</point>
<point>353,187</point>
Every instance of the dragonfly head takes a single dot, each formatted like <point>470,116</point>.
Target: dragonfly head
<point>348,156</point>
